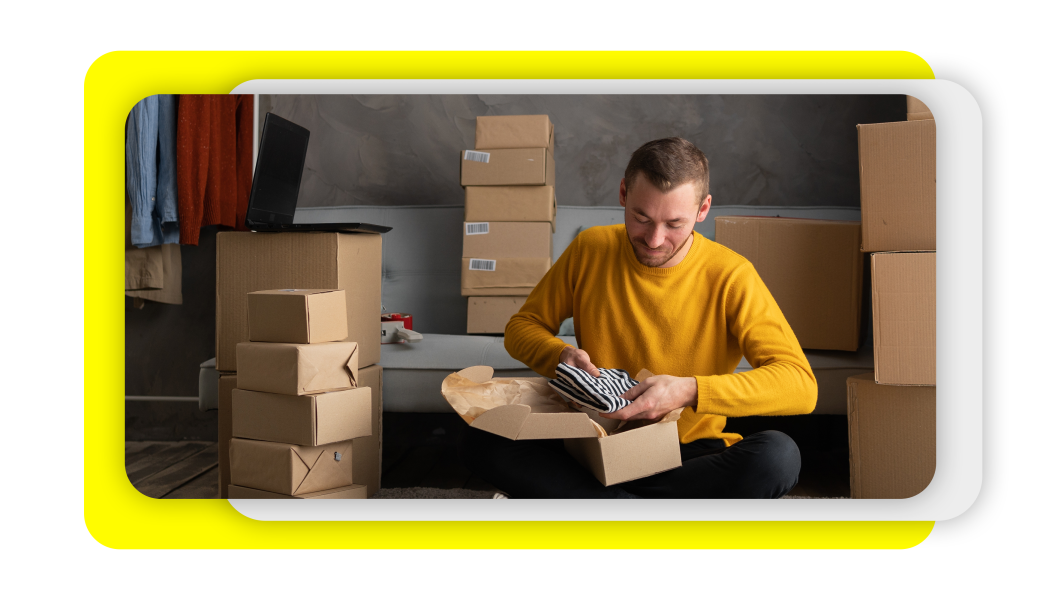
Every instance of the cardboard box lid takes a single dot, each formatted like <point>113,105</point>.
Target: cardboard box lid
<point>507,167</point>
<point>536,412</point>
<point>506,239</point>
<point>297,369</point>
<point>514,131</point>
<point>304,420</point>
<point>813,268</point>
<point>297,316</point>
<point>892,438</point>
<point>349,492</point>
<point>904,288</point>
<point>898,185</point>
<point>289,468</point>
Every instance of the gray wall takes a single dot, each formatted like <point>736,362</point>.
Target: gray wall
<point>763,150</point>
<point>401,150</point>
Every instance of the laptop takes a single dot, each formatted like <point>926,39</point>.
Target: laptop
<point>277,179</point>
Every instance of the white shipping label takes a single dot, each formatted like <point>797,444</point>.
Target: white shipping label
<point>481,157</point>
<point>480,264</point>
<point>477,228</point>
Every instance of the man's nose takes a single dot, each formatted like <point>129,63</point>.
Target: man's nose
<point>655,238</point>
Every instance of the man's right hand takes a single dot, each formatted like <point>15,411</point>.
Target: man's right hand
<point>578,358</point>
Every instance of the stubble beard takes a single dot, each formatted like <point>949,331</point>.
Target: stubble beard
<point>654,262</point>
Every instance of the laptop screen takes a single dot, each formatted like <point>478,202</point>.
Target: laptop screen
<point>277,178</point>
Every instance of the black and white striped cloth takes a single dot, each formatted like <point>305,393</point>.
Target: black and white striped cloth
<point>601,393</point>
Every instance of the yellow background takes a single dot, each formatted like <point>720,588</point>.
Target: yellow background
<point>118,516</point>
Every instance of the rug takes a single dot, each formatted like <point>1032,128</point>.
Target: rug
<point>428,493</point>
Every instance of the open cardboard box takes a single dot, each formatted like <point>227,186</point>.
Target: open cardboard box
<point>528,409</point>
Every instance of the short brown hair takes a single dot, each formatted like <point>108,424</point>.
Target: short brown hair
<point>669,163</point>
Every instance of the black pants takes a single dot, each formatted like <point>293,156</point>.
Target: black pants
<point>763,465</point>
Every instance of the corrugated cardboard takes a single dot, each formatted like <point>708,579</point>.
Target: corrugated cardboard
<point>813,269</point>
<point>898,185</point>
<point>892,438</point>
<point>918,108</point>
<point>512,277</point>
<point>511,203</point>
<point>514,131</point>
<point>519,166</point>
<point>304,420</point>
<point>490,314</point>
<point>248,262</point>
<point>904,288</point>
<point>629,454</point>
<point>367,450</point>
<point>507,240</point>
<point>290,469</point>
<point>225,386</point>
<point>349,492</point>
<point>296,369</point>
<point>297,316</point>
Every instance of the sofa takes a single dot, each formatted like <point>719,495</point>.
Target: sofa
<point>421,275</point>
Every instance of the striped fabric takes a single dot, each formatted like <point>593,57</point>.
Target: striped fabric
<point>601,393</point>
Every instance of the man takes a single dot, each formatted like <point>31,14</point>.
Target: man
<point>654,294</point>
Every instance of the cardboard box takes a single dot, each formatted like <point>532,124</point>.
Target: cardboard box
<point>904,288</point>
<point>367,450</point>
<point>506,240</point>
<point>304,420</point>
<point>514,131</point>
<point>511,203</point>
<point>917,110</point>
<point>296,369</point>
<point>225,386</point>
<point>898,185</point>
<point>248,262</point>
<point>297,316</point>
<point>629,454</point>
<point>813,269</point>
<point>349,492</point>
<point>518,166</point>
<point>290,469</point>
<point>502,276</point>
<point>892,438</point>
<point>491,314</point>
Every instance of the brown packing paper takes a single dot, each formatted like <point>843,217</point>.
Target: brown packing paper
<point>290,469</point>
<point>297,316</point>
<point>304,420</point>
<point>296,369</point>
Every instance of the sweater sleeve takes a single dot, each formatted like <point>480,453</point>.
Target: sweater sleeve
<point>530,334</point>
<point>781,382</point>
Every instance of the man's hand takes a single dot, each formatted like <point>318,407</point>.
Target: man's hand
<point>656,397</point>
<point>578,358</point>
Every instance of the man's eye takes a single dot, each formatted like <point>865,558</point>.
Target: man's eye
<point>642,222</point>
<point>680,226</point>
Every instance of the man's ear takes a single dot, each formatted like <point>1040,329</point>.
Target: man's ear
<point>704,210</point>
<point>624,191</point>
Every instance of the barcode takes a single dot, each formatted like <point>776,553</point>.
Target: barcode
<point>480,264</point>
<point>477,228</point>
<point>476,156</point>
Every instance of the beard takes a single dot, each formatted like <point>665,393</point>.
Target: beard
<point>654,259</point>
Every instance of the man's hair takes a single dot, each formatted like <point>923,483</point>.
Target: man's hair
<point>669,163</point>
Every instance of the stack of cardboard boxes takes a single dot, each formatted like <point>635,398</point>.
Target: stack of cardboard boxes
<point>509,217</point>
<point>297,406</point>
<point>892,413</point>
<point>249,262</point>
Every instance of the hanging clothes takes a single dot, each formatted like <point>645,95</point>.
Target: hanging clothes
<point>151,273</point>
<point>150,171</point>
<point>214,162</point>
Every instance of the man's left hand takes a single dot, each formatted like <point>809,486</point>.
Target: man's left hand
<point>656,397</point>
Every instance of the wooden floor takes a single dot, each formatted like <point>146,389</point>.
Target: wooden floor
<point>420,450</point>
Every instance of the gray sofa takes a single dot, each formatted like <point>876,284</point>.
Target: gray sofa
<point>420,275</point>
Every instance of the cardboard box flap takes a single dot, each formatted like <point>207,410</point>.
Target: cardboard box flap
<point>328,463</point>
<point>321,379</point>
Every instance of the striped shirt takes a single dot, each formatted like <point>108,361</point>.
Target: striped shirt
<point>602,393</point>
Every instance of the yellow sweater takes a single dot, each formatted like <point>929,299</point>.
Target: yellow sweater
<point>697,318</point>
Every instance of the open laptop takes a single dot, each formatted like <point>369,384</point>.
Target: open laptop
<point>277,179</point>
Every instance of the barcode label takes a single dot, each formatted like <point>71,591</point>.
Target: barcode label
<point>477,228</point>
<point>480,264</point>
<point>482,157</point>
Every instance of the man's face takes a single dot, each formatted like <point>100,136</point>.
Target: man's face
<point>659,224</point>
